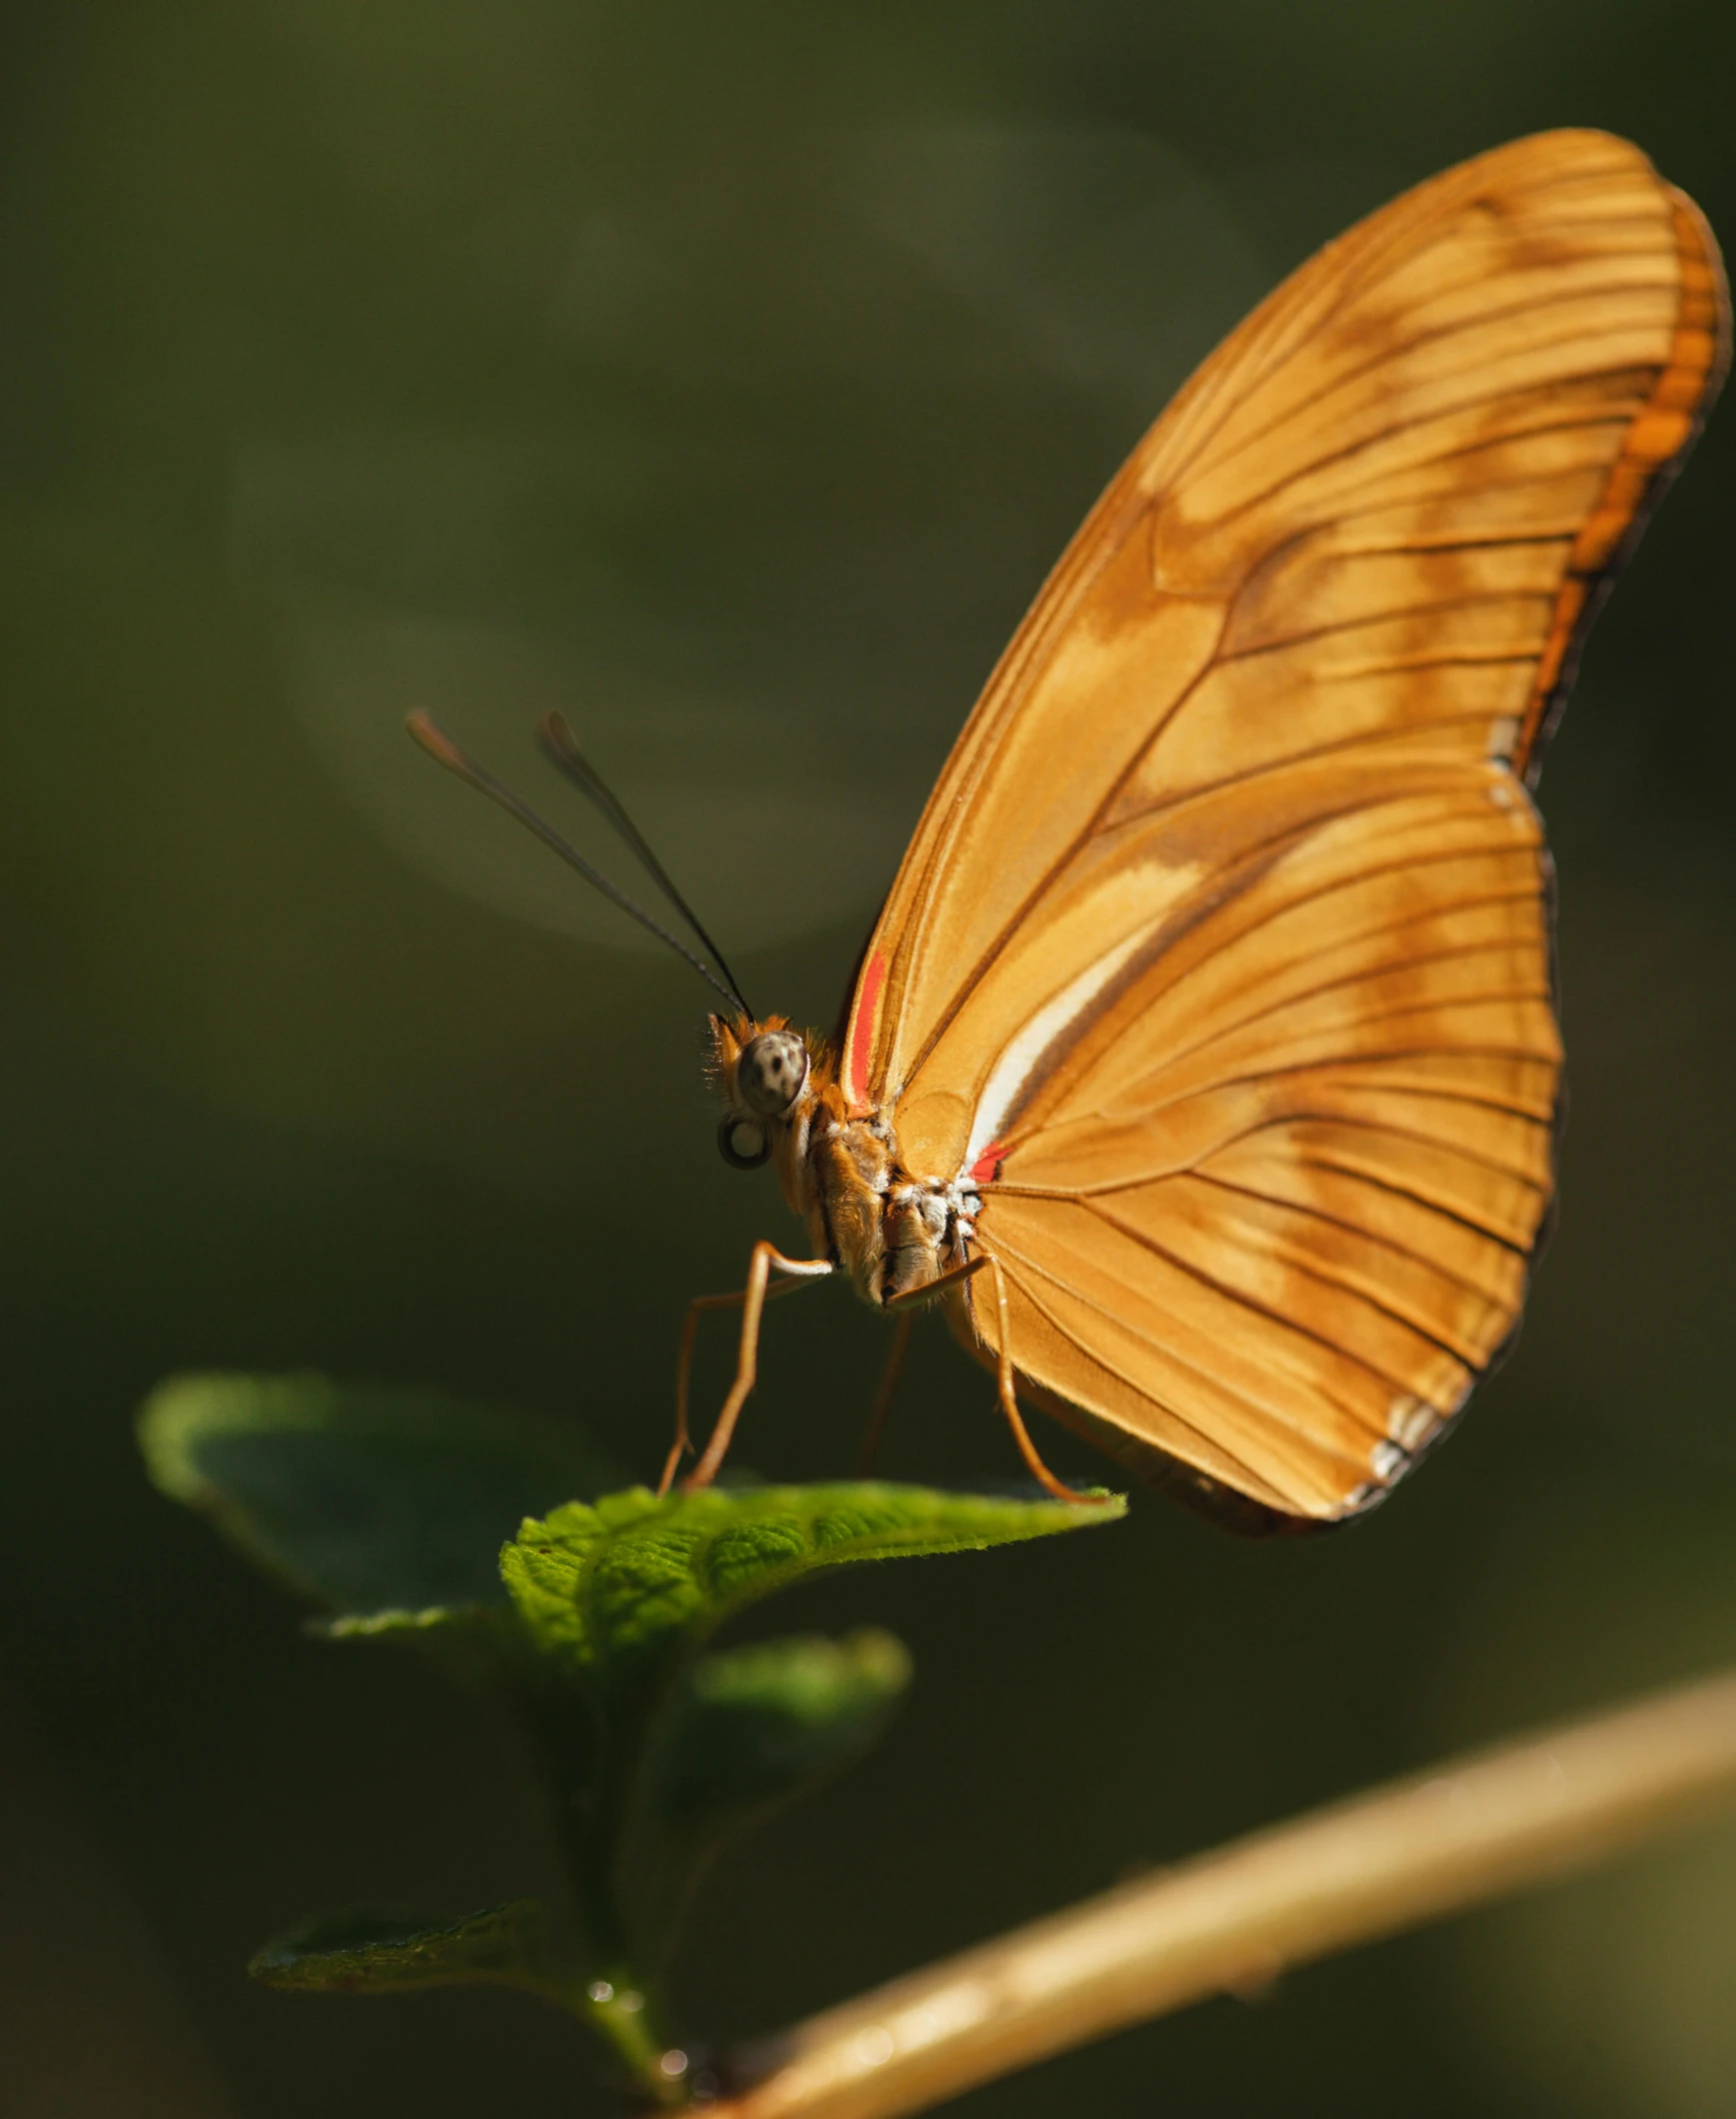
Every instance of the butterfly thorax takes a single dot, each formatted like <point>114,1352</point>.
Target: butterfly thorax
<point>839,1164</point>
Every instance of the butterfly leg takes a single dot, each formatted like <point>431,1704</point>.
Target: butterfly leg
<point>766,1260</point>
<point>905,1306</point>
<point>1010,1399</point>
<point>894,1368</point>
<point>697,1309</point>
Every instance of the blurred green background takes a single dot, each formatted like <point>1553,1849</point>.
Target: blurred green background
<point>728,377</point>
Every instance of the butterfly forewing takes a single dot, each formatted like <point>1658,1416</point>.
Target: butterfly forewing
<point>1220,959</point>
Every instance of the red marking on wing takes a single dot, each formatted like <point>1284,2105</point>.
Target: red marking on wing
<point>862,1036</point>
<point>987,1165</point>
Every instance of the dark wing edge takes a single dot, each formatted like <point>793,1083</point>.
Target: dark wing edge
<point>1658,443</point>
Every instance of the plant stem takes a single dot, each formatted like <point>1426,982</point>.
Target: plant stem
<point>588,1780</point>
<point>1230,1921</point>
<point>627,2019</point>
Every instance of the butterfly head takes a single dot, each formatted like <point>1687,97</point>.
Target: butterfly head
<point>761,1070</point>
<point>771,1072</point>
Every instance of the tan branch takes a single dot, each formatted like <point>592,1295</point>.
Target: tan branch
<point>1471,1830</point>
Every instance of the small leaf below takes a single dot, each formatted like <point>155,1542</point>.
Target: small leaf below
<point>362,1499</point>
<point>754,1724</point>
<point>747,1730</point>
<point>380,1952</point>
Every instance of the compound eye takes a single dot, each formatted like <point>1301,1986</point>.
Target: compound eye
<point>737,1158</point>
<point>771,1071</point>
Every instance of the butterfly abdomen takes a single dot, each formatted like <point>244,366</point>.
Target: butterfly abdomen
<point>918,1229</point>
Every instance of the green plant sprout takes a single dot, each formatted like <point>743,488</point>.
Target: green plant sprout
<point>589,1625</point>
<point>387,1509</point>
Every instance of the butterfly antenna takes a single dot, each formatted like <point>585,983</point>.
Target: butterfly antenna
<point>562,752</point>
<point>444,750</point>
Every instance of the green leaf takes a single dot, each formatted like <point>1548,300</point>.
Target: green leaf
<point>484,1647</point>
<point>622,1591</point>
<point>621,1594</point>
<point>383,1953</point>
<point>362,1499</point>
<point>750,1729</point>
<point>753,1726</point>
<point>488,1649</point>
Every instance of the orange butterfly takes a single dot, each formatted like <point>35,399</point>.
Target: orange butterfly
<point>1202,1061</point>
